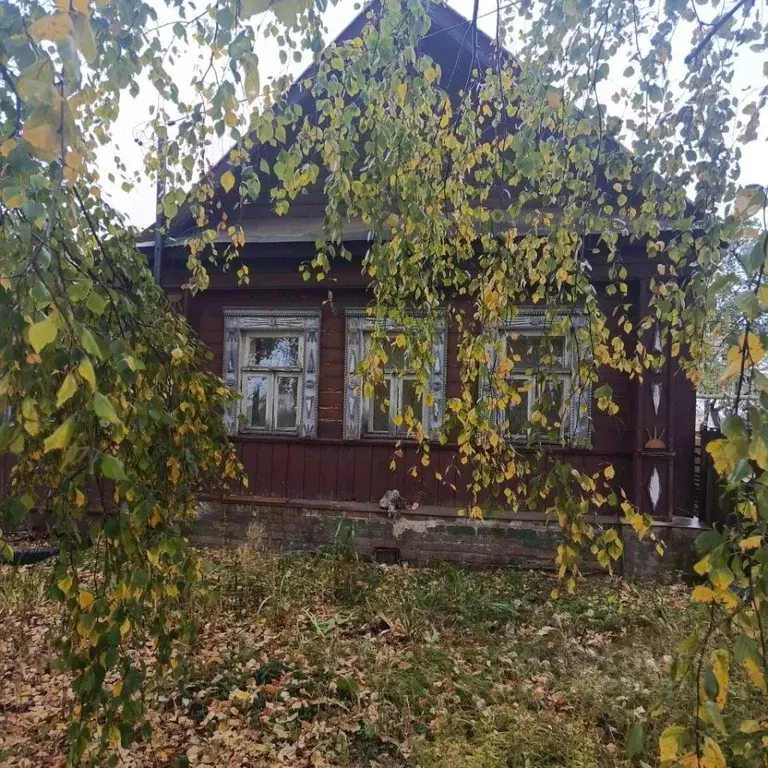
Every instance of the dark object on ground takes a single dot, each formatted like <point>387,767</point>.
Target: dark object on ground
<point>31,556</point>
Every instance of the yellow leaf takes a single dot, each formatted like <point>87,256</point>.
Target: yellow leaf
<point>31,416</point>
<point>756,674</point>
<point>82,6</point>
<point>750,726</point>
<point>721,578</point>
<point>66,390</point>
<point>55,28</point>
<point>13,199</point>
<point>702,594</point>
<point>79,498</point>
<point>125,627</point>
<point>762,291</point>
<point>609,472</point>
<point>752,542</point>
<point>61,438</point>
<point>669,743</point>
<point>85,369</point>
<point>240,695</point>
<point>703,566</point>
<point>721,660</point>
<point>73,163</point>
<point>759,452</point>
<point>43,138</point>
<point>172,590</point>
<point>117,689</point>
<point>402,89</point>
<point>713,756</point>
<point>42,334</point>
<point>65,584</point>
<point>227,180</point>
<point>7,147</point>
<point>755,354</point>
<point>85,599</point>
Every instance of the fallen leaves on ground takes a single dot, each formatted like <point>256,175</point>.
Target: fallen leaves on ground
<point>328,661</point>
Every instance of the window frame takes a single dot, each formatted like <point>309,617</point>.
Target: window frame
<point>358,409</point>
<point>243,324</point>
<point>575,420</point>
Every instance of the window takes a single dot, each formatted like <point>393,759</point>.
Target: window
<point>271,358</point>
<point>384,412</point>
<point>381,415</point>
<point>271,381</point>
<point>541,361</point>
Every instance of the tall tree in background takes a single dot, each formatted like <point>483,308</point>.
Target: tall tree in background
<point>109,408</point>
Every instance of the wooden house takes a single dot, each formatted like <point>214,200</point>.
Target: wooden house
<point>319,457</point>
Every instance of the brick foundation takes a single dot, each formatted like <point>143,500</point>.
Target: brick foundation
<point>426,535</point>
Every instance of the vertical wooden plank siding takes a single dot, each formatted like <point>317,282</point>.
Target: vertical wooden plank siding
<point>331,468</point>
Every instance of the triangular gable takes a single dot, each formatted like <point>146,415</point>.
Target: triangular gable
<point>447,42</point>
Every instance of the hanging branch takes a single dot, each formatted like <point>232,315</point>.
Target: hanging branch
<point>715,27</point>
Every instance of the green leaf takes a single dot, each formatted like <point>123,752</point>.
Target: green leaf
<point>635,740</point>
<point>606,390</point>
<point>89,344</point>
<point>733,427</point>
<point>104,409</point>
<point>252,83</point>
<point>252,7</point>
<point>347,687</point>
<point>84,39</point>
<point>66,390</point>
<point>112,468</point>
<point>42,334</point>
<point>61,438</point>
<point>85,369</point>
<point>96,302</point>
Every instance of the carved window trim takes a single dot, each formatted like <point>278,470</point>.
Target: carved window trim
<point>238,323</point>
<point>577,428</point>
<point>358,325</point>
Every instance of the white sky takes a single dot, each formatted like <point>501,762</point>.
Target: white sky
<point>138,205</point>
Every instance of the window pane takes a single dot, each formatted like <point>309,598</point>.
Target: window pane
<point>256,398</point>
<point>380,405</point>
<point>395,356</point>
<point>410,398</point>
<point>274,351</point>
<point>549,402</point>
<point>517,414</point>
<point>537,351</point>
<point>287,401</point>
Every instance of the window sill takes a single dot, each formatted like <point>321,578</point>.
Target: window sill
<point>278,433</point>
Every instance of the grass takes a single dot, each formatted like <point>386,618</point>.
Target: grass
<point>329,661</point>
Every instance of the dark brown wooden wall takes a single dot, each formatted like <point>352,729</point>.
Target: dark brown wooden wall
<point>332,468</point>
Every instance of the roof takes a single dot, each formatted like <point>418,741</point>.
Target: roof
<point>259,222</point>
<point>445,21</point>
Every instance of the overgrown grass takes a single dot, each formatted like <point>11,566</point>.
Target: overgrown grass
<point>327,660</point>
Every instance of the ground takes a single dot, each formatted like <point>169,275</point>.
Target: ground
<point>329,661</point>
